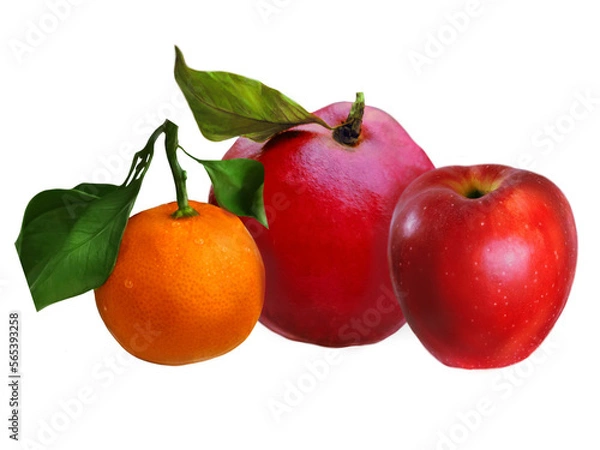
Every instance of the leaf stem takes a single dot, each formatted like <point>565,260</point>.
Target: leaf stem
<point>179,175</point>
<point>349,132</point>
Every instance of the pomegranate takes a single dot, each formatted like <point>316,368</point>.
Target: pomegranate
<point>329,197</point>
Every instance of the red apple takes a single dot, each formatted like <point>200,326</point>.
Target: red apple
<point>329,198</point>
<point>482,260</point>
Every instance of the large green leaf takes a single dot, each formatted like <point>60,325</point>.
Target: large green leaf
<point>69,238</point>
<point>227,105</point>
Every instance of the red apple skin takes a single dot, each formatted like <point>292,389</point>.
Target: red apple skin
<point>482,281</point>
<point>329,208</point>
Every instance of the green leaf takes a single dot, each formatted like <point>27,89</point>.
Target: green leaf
<point>227,105</point>
<point>238,186</point>
<point>69,238</point>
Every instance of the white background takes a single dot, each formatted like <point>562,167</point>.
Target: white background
<point>84,83</point>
